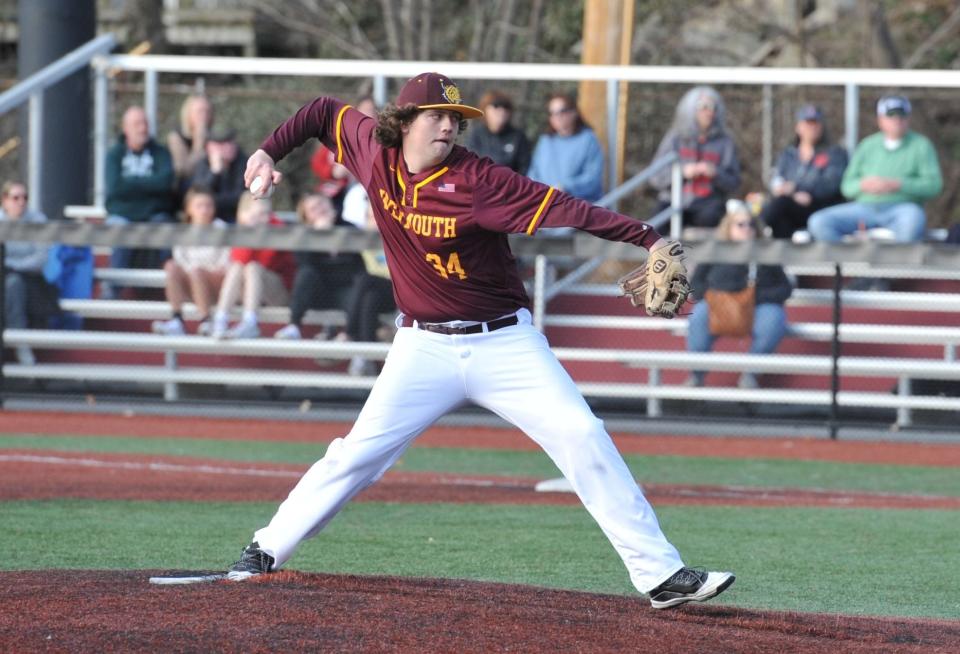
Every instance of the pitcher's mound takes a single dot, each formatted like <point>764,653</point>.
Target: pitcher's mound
<point>58,610</point>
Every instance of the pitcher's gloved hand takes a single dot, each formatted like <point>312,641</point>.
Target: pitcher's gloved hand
<point>660,286</point>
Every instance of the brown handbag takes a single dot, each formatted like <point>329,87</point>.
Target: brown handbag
<point>731,312</point>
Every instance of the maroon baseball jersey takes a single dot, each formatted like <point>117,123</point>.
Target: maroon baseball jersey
<point>444,230</point>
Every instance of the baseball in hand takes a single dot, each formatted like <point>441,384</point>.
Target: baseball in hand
<point>256,185</point>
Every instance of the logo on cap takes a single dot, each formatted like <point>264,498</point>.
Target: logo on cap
<point>450,92</point>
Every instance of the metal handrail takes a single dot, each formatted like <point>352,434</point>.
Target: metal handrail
<point>32,89</point>
<point>636,181</point>
<point>56,71</point>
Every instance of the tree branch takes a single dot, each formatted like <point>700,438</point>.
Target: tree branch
<point>942,32</point>
<point>310,28</point>
<point>390,25</point>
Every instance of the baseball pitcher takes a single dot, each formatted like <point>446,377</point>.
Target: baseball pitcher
<point>465,332</point>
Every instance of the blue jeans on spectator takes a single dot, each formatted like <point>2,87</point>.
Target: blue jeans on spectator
<point>134,258</point>
<point>15,301</point>
<point>906,219</point>
<point>122,257</point>
<point>769,328</point>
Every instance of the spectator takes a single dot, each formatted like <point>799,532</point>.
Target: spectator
<point>29,301</point>
<point>259,276</point>
<point>355,201</point>
<point>139,181</point>
<point>707,155</point>
<point>568,156</point>
<point>891,174</point>
<point>356,204</point>
<point>372,295</point>
<point>333,179</point>
<point>222,172</point>
<point>496,137</point>
<point>188,143</point>
<point>194,272</point>
<point>323,279</point>
<point>807,176</point>
<point>772,288</point>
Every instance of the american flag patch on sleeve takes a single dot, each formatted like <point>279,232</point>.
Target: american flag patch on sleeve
<point>447,188</point>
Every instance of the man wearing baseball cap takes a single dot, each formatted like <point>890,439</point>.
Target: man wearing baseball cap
<point>807,175</point>
<point>891,174</point>
<point>465,332</point>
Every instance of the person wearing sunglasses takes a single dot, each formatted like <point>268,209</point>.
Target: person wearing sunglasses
<point>771,290</point>
<point>568,155</point>
<point>496,137</point>
<point>29,300</point>
<point>707,155</point>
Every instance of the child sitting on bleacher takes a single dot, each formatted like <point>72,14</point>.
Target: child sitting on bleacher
<point>194,272</point>
<point>259,276</point>
<point>323,279</point>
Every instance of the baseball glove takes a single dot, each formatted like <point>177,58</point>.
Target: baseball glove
<point>660,286</point>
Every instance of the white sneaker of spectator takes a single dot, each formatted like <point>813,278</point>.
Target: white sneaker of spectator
<point>25,355</point>
<point>360,367</point>
<point>220,324</point>
<point>289,332</point>
<point>748,380</point>
<point>205,328</point>
<point>172,327</point>
<point>243,329</point>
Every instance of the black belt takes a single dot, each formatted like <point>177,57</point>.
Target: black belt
<point>437,328</point>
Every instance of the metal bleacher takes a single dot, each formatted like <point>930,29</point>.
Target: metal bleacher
<point>643,371</point>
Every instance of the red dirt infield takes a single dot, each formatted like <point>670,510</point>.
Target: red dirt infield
<point>809,449</point>
<point>33,474</point>
<point>119,611</point>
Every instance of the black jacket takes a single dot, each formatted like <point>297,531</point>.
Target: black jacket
<point>771,282</point>
<point>820,177</point>
<point>509,147</point>
<point>227,185</point>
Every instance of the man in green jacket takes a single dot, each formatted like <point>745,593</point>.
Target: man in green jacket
<point>889,177</point>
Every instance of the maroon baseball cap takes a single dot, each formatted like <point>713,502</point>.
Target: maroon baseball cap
<point>435,91</point>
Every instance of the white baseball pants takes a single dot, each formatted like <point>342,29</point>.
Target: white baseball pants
<point>512,372</point>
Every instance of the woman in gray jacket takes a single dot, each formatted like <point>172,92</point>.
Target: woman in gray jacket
<point>707,156</point>
<point>29,299</point>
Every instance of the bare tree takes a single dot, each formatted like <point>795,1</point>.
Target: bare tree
<point>146,24</point>
<point>390,25</point>
<point>305,20</point>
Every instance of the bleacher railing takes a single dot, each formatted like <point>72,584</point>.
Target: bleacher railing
<point>850,79</point>
<point>32,90</point>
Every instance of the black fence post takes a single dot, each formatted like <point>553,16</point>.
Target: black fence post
<point>834,419</point>
<point>3,318</point>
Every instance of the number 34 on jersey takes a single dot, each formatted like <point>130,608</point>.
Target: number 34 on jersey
<point>447,268</point>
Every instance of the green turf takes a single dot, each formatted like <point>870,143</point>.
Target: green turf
<point>850,561</point>
<point>649,469</point>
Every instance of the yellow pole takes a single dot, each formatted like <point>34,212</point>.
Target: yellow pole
<point>607,37</point>
<point>626,45</point>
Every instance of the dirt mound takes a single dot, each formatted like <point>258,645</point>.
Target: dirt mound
<point>69,611</point>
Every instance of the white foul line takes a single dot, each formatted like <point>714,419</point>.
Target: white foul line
<point>151,466</point>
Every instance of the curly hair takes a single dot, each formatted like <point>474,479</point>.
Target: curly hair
<point>392,118</point>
